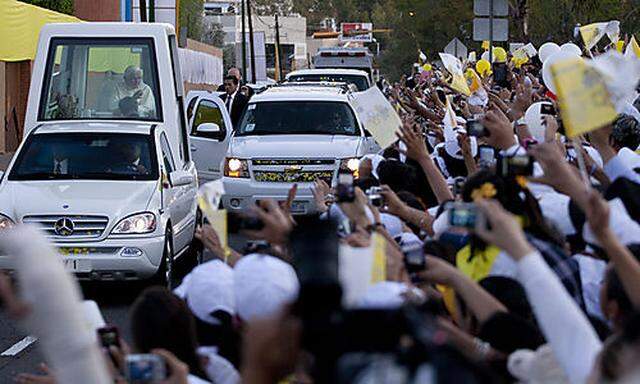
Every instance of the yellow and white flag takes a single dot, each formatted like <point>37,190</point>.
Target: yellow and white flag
<point>453,65</point>
<point>422,58</point>
<point>633,49</point>
<point>585,103</point>
<point>593,33</point>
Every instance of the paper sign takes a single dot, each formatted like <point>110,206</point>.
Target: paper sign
<point>379,265</point>
<point>217,218</point>
<point>585,103</point>
<point>377,115</point>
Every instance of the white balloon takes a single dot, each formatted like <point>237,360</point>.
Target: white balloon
<point>546,67</point>
<point>546,50</point>
<point>533,118</point>
<point>571,48</point>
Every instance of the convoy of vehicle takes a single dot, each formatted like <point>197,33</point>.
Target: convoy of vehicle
<point>113,151</point>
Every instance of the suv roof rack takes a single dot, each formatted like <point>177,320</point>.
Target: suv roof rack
<point>344,87</point>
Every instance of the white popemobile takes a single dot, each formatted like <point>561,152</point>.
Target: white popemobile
<point>105,167</point>
<point>294,133</point>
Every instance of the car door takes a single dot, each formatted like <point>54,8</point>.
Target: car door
<point>173,197</point>
<point>208,146</point>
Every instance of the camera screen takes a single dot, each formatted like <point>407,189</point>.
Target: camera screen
<point>463,217</point>
<point>486,153</point>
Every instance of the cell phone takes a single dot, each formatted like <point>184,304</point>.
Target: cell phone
<point>109,336</point>
<point>487,155</point>
<point>414,259</point>
<point>375,197</point>
<point>345,192</point>
<point>476,129</point>
<point>547,109</point>
<point>515,166</point>
<point>144,369</point>
<point>464,215</point>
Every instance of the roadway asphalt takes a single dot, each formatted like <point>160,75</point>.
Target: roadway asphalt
<point>114,300</point>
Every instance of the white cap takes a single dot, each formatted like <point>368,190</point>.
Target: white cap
<point>392,224</point>
<point>209,288</point>
<point>263,284</point>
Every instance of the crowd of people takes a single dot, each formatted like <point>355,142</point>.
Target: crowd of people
<point>526,268</point>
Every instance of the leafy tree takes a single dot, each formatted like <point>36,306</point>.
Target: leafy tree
<point>213,34</point>
<point>191,17</point>
<point>62,6</point>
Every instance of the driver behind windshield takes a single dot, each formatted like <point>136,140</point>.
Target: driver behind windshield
<point>131,97</point>
<point>128,158</point>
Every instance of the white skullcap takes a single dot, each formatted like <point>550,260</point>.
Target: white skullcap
<point>263,284</point>
<point>209,288</point>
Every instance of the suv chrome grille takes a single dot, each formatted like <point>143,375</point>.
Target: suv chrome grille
<point>259,162</point>
<point>71,227</point>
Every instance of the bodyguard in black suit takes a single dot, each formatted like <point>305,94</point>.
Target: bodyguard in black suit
<point>234,101</point>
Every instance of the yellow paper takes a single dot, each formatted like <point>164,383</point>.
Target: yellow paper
<point>585,103</point>
<point>459,84</point>
<point>473,80</point>
<point>485,45</point>
<point>479,266</point>
<point>620,46</point>
<point>592,33</point>
<point>217,218</point>
<point>20,26</point>
<point>379,267</point>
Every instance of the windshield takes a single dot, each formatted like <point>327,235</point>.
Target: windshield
<point>298,118</point>
<point>360,82</point>
<point>104,156</point>
<point>101,79</point>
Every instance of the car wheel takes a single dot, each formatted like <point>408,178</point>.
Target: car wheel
<point>197,248</point>
<point>165,275</point>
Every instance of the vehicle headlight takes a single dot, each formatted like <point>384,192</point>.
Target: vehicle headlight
<point>6,223</point>
<point>136,224</point>
<point>234,167</point>
<point>350,165</point>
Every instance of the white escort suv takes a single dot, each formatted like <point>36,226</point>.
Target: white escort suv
<point>293,133</point>
<point>360,79</point>
<point>105,166</point>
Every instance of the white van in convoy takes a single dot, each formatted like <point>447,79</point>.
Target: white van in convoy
<point>356,77</point>
<point>294,133</point>
<point>105,167</point>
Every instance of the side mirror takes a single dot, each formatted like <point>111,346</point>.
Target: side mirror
<point>180,178</point>
<point>208,128</point>
<point>211,131</point>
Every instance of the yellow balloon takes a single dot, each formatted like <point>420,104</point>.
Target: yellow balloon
<point>427,67</point>
<point>500,55</point>
<point>483,67</point>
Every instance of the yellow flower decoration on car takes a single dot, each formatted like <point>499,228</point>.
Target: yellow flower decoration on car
<point>522,181</point>
<point>486,191</point>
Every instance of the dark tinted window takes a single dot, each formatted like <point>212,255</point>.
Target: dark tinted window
<point>298,117</point>
<point>104,156</point>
